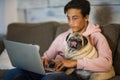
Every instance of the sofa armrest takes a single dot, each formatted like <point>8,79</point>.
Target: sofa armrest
<point>112,33</point>
<point>1,44</point>
<point>1,47</point>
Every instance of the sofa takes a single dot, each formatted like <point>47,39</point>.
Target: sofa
<point>44,33</point>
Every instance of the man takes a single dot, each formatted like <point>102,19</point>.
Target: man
<point>77,12</point>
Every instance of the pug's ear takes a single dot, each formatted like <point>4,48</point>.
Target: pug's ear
<point>68,36</point>
<point>85,40</point>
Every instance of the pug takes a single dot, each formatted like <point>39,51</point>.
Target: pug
<point>78,47</point>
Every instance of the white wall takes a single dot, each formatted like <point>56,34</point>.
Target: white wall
<point>102,11</point>
<point>8,14</point>
<point>2,16</point>
<point>11,11</point>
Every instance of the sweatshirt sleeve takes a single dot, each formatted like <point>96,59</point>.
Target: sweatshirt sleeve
<point>104,60</point>
<point>56,49</point>
<point>53,49</point>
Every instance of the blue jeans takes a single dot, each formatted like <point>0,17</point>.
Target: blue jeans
<point>19,74</point>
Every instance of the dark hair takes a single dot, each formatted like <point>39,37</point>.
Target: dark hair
<point>83,5</point>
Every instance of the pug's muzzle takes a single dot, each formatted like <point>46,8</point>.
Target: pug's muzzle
<point>76,41</point>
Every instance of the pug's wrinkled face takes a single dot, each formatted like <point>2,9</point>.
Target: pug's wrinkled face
<point>76,41</point>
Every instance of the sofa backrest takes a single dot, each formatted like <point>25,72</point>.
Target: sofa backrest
<point>116,61</point>
<point>41,34</point>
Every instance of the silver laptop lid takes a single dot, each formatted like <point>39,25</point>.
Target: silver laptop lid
<point>24,56</point>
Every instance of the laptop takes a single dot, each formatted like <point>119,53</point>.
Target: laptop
<point>25,56</point>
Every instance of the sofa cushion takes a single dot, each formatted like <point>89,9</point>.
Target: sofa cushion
<point>5,62</point>
<point>41,34</point>
<point>112,33</point>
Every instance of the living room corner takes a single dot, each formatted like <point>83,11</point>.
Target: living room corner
<point>21,19</point>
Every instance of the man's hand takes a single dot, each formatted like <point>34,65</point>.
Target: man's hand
<point>45,62</point>
<point>60,65</point>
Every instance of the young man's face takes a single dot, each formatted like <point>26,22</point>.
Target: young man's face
<point>75,19</point>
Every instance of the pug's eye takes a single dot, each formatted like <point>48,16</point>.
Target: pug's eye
<point>77,35</point>
<point>79,40</point>
<point>71,39</point>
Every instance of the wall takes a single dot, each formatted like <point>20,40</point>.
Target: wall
<point>11,11</point>
<point>102,11</point>
<point>2,16</point>
<point>8,14</point>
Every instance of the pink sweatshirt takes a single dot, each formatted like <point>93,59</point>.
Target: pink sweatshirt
<point>93,33</point>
